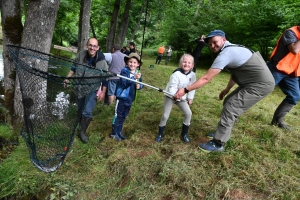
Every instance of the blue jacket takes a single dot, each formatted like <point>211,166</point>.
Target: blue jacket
<point>127,87</point>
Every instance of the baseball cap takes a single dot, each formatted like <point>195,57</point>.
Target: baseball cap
<point>213,34</point>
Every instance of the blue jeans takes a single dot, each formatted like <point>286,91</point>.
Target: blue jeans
<point>289,85</point>
<point>112,85</point>
<point>122,112</point>
<point>87,104</point>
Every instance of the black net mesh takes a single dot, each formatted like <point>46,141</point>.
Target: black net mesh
<point>51,113</point>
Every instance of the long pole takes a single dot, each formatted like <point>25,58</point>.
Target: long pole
<point>156,88</point>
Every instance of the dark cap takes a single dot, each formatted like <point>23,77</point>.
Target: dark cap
<point>133,55</point>
<point>213,34</point>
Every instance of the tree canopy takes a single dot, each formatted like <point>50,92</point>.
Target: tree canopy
<point>254,23</point>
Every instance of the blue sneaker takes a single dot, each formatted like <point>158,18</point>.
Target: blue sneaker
<point>211,146</point>
<point>116,137</point>
<point>123,137</point>
<point>112,135</point>
<point>210,135</point>
<point>120,135</point>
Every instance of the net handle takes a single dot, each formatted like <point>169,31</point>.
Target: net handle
<point>24,48</point>
<point>108,74</point>
<point>65,77</point>
<point>133,80</point>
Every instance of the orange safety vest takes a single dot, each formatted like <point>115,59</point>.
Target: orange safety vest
<point>291,62</point>
<point>161,50</point>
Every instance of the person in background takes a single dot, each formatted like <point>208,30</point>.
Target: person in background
<point>125,93</point>
<point>180,78</point>
<point>86,104</point>
<point>138,52</point>
<point>132,48</point>
<point>125,50</point>
<point>117,64</point>
<point>102,92</point>
<point>197,52</point>
<point>168,56</point>
<point>248,70</point>
<point>160,53</point>
<point>108,58</point>
<point>284,64</point>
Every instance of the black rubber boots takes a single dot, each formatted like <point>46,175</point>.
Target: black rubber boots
<point>279,114</point>
<point>184,133</point>
<point>160,135</point>
<point>84,124</point>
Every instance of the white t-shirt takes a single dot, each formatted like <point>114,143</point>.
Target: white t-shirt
<point>108,58</point>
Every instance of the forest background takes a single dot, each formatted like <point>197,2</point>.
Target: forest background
<point>42,24</point>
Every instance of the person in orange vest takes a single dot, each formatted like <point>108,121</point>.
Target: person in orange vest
<point>160,53</point>
<point>284,64</point>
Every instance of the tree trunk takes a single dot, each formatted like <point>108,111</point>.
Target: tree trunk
<point>197,10</point>
<point>92,28</point>
<point>139,22</point>
<point>12,31</point>
<point>110,39</point>
<point>136,29</point>
<point>124,24</point>
<point>37,34</point>
<point>84,24</point>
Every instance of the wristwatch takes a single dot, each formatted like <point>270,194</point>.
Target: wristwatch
<point>186,90</point>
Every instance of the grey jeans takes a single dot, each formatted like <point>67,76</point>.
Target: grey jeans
<point>236,103</point>
<point>183,106</point>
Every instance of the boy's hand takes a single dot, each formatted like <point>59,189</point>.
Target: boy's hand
<point>137,76</point>
<point>66,82</point>
<point>101,97</point>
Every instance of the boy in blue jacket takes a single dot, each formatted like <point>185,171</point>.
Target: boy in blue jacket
<point>125,93</point>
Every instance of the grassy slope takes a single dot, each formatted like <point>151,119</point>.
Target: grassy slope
<point>260,162</point>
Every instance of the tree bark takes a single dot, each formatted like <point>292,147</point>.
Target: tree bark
<point>39,24</point>
<point>124,24</point>
<point>12,31</point>
<point>92,28</point>
<point>139,22</point>
<point>37,34</point>
<point>197,10</point>
<point>84,24</point>
<point>110,39</point>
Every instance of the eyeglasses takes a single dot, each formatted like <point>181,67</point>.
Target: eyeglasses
<point>93,46</point>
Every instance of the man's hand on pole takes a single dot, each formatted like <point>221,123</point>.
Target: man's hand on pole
<point>180,93</point>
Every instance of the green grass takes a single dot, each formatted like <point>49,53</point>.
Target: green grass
<point>5,131</point>
<point>260,162</point>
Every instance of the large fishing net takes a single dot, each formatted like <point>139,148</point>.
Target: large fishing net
<point>51,114</point>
